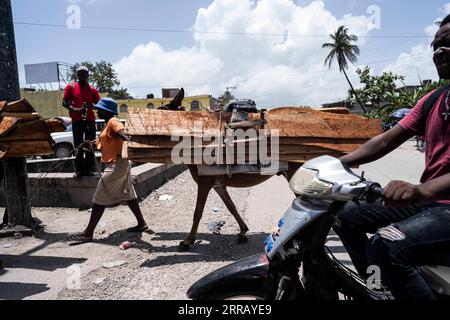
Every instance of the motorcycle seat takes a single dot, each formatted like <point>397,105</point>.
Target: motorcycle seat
<point>438,277</point>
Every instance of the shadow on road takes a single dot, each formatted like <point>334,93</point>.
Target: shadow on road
<point>43,263</point>
<point>208,248</point>
<point>19,291</point>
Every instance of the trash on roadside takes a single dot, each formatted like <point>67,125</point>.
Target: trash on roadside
<point>99,280</point>
<point>165,197</point>
<point>127,245</point>
<point>215,210</point>
<point>216,227</point>
<point>114,264</point>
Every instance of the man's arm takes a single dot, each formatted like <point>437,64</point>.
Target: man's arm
<point>377,147</point>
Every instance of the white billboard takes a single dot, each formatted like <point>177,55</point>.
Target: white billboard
<point>41,73</point>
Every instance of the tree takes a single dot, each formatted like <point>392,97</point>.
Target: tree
<point>344,51</point>
<point>377,90</point>
<point>103,76</point>
<point>121,94</point>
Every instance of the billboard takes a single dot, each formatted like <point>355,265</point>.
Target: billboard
<point>41,73</point>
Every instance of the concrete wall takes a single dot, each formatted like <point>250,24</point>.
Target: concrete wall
<point>61,190</point>
<point>48,103</point>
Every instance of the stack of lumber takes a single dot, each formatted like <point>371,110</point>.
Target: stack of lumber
<point>23,132</point>
<point>303,133</point>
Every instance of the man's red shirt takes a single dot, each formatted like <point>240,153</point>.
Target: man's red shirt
<point>78,95</point>
<point>437,137</point>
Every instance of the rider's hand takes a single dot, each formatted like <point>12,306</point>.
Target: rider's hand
<point>401,194</point>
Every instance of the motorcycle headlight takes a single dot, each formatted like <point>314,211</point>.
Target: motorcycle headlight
<point>305,182</point>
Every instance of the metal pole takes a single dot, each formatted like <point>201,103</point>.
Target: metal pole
<point>16,175</point>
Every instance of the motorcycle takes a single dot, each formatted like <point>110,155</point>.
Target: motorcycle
<point>297,264</point>
<point>420,143</point>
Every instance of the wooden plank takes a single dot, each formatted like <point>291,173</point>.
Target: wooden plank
<point>33,130</point>
<point>30,148</point>
<point>23,116</point>
<point>290,158</point>
<point>55,125</point>
<point>20,106</point>
<point>336,110</point>
<point>298,123</point>
<point>3,151</point>
<point>167,152</point>
<point>7,125</point>
<point>2,105</point>
<point>165,142</point>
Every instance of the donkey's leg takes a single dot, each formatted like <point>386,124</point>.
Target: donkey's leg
<point>225,196</point>
<point>204,187</point>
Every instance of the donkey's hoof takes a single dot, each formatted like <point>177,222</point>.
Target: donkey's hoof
<point>242,239</point>
<point>185,245</point>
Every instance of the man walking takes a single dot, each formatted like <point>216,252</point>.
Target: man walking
<point>79,97</point>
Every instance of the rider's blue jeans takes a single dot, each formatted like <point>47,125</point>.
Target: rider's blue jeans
<point>404,240</point>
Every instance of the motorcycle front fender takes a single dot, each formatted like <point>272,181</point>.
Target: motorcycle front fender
<point>245,277</point>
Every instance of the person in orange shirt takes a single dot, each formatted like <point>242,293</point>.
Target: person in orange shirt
<point>115,186</point>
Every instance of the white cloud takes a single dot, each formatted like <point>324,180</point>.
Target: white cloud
<point>273,70</point>
<point>419,60</point>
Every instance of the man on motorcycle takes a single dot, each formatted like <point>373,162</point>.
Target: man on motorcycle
<point>412,225</point>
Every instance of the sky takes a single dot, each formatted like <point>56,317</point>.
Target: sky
<point>269,49</point>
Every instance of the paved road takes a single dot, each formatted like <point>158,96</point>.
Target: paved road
<point>36,268</point>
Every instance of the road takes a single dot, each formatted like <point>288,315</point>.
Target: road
<point>47,267</point>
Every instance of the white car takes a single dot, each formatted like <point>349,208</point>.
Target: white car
<point>64,140</point>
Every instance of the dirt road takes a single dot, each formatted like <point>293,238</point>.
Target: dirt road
<point>46,267</point>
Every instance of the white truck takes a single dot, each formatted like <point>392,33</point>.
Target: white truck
<point>64,140</point>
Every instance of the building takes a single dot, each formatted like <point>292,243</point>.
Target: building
<point>194,103</point>
<point>48,103</point>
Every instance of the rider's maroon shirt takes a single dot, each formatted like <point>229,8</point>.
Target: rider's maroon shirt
<point>437,138</point>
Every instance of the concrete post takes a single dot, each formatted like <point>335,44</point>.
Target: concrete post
<point>16,176</point>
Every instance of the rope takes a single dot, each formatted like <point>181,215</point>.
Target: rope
<point>59,164</point>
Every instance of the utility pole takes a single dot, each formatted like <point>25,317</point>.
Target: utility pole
<point>15,169</point>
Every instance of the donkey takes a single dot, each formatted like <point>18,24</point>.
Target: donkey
<point>220,183</point>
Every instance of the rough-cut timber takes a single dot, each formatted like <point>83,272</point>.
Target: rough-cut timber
<point>23,132</point>
<point>303,133</point>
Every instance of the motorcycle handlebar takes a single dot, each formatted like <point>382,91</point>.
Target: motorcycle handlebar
<point>373,193</point>
<point>377,192</point>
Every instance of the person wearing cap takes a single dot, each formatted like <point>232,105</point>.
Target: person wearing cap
<point>79,97</point>
<point>115,186</point>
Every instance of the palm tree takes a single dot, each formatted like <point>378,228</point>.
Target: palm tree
<point>343,50</point>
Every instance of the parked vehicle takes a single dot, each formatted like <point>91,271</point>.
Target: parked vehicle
<point>420,143</point>
<point>64,140</point>
<point>324,186</point>
<point>395,118</point>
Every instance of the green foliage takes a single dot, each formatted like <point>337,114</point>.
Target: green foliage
<point>377,89</point>
<point>395,99</point>
<point>343,51</point>
<point>342,48</point>
<point>120,94</point>
<point>102,75</point>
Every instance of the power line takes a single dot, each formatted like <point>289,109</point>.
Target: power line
<point>156,30</point>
